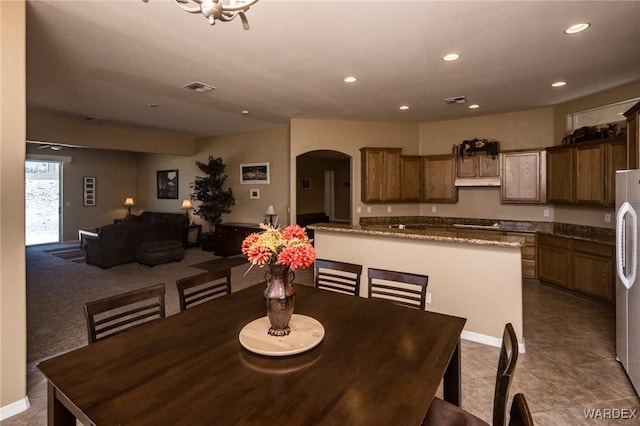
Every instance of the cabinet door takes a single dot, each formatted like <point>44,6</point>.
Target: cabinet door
<point>554,260</point>
<point>380,175</point>
<point>523,177</point>
<point>593,270</point>
<point>466,167</point>
<point>559,175</point>
<point>439,172</point>
<point>487,166</point>
<point>588,185</point>
<point>411,178</point>
<point>615,159</point>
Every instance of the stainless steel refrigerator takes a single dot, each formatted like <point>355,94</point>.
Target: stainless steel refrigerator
<point>627,287</point>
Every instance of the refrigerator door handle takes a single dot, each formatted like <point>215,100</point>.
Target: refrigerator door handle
<point>628,278</point>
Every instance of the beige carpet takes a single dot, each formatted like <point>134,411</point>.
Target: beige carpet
<point>57,290</point>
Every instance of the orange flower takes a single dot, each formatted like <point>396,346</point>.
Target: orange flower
<point>289,246</point>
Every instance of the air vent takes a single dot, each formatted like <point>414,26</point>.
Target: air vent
<point>199,87</point>
<point>456,100</point>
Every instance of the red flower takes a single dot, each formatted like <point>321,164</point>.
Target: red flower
<point>259,255</point>
<point>294,231</point>
<point>248,242</point>
<point>301,256</point>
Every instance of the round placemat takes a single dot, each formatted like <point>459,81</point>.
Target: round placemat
<point>306,333</point>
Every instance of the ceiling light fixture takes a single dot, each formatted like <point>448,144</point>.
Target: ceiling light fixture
<point>451,57</point>
<point>559,84</point>
<point>577,28</point>
<point>474,106</point>
<point>404,107</point>
<point>350,79</point>
<point>222,10</point>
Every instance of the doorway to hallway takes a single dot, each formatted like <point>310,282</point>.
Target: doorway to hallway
<point>42,201</point>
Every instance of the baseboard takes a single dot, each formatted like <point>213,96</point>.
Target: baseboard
<point>14,408</point>
<point>488,340</point>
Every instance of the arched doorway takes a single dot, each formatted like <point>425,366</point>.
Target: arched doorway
<point>323,187</point>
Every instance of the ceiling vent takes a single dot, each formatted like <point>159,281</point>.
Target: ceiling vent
<point>199,87</point>
<point>456,100</point>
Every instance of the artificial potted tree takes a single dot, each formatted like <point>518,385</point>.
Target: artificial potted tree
<point>214,200</point>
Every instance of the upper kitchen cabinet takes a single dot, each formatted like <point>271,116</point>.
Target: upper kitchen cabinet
<point>411,167</point>
<point>381,175</point>
<point>480,165</point>
<point>524,176</point>
<point>439,173</point>
<point>633,137</point>
<point>584,173</point>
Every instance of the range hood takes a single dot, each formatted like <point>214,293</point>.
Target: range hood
<point>483,181</point>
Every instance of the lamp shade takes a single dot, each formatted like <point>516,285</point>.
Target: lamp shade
<point>129,202</point>
<point>186,205</point>
<point>270,210</point>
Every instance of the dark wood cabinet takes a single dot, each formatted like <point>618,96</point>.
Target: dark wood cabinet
<point>615,159</point>
<point>581,266</point>
<point>229,236</point>
<point>633,137</point>
<point>559,175</point>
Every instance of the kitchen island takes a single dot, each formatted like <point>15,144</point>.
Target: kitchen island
<point>476,278</point>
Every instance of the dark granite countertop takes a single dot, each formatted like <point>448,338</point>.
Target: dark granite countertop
<point>580,232</point>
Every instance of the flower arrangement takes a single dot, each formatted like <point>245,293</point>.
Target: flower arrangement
<point>289,246</point>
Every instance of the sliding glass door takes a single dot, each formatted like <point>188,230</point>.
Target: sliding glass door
<point>42,209</point>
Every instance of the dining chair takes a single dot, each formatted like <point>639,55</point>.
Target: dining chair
<point>115,314</point>
<point>340,277</point>
<point>520,414</point>
<point>203,287</point>
<point>442,413</point>
<point>402,288</point>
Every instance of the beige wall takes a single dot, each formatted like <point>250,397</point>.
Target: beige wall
<point>270,145</point>
<point>348,137</point>
<point>312,200</point>
<point>13,330</point>
<point>481,283</point>
<point>47,126</point>
<point>115,173</point>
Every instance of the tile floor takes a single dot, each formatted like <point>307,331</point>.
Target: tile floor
<point>569,366</point>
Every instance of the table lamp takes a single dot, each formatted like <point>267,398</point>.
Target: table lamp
<point>128,203</point>
<point>271,212</point>
<point>186,206</point>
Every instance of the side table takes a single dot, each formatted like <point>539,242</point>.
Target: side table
<point>191,235</point>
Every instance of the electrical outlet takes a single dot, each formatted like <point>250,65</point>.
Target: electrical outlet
<point>359,209</point>
<point>388,209</point>
<point>546,212</point>
<point>607,217</point>
<point>427,298</point>
<point>368,209</point>
<point>433,209</point>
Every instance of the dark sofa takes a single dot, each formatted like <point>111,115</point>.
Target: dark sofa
<point>117,243</point>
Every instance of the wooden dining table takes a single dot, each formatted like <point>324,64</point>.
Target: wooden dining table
<point>377,364</point>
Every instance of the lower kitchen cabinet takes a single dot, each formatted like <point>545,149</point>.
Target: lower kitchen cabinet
<point>529,256</point>
<point>581,266</point>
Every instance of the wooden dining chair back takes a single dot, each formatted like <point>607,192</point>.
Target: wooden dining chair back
<point>520,414</point>
<point>442,413</point>
<point>115,314</point>
<point>401,288</point>
<point>340,277</point>
<point>203,287</point>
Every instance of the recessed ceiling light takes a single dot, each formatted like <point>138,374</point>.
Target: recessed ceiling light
<point>474,106</point>
<point>559,84</point>
<point>404,107</point>
<point>451,57</point>
<point>577,28</point>
<point>245,112</point>
<point>350,79</point>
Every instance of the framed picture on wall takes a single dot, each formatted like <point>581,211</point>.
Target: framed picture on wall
<point>305,183</point>
<point>89,191</point>
<point>254,194</point>
<point>254,173</point>
<point>167,181</point>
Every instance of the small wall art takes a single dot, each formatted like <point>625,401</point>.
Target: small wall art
<point>89,194</point>
<point>305,183</point>
<point>254,194</point>
<point>256,173</point>
<point>167,181</point>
